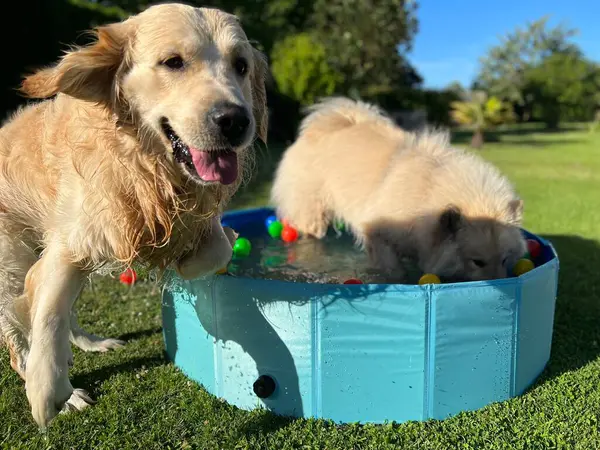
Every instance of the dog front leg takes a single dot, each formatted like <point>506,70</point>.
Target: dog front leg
<point>214,253</point>
<point>54,284</point>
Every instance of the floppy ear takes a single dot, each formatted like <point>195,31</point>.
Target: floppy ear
<point>259,95</point>
<point>86,73</point>
<point>450,221</point>
<point>516,211</point>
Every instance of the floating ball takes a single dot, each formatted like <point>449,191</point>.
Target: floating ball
<point>274,261</point>
<point>339,225</point>
<point>128,277</point>
<point>222,271</point>
<point>353,281</point>
<point>534,248</point>
<point>270,220</point>
<point>522,266</point>
<point>289,234</point>
<point>242,247</point>
<point>275,228</point>
<point>429,278</point>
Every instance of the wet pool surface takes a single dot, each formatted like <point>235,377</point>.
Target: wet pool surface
<point>333,259</point>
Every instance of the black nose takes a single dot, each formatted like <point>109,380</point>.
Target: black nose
<point>233,121</point>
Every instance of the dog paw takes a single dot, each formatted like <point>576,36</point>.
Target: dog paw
<point>231,234</point>
<point>93,343</point>
<point>214,256</point>
<point>78,401</point>
<point>107,344</point>
<point>47,388</point>
<point>50,399</point>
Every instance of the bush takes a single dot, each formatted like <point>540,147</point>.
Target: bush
<point>301,70</point>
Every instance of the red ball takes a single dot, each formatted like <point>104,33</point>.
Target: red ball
<point>353,281</point>
<point>128,277</point>
<point>534,248</point>
<point>289,234</point>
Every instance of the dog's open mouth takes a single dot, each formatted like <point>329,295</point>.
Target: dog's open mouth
<point>211,166</point>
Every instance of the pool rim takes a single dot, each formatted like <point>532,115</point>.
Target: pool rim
<point>232,214</point>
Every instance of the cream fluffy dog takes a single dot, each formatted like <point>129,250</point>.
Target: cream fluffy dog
<point>403,195</point>
<point>146,139</point>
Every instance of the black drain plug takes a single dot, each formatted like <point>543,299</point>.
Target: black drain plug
<point>264,386</point>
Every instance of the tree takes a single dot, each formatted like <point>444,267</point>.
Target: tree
<point>366,42</point>
<point>480,113</point>
<point>564,86</point>
<point>456,88</point>
<point>300,68</point>
<point>265,21</point>
<point>503,71</point>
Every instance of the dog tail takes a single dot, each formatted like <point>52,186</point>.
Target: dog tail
<point>336,113</point>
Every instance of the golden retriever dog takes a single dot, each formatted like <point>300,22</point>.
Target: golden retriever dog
<point>403,195</point>
<point>145,139</point>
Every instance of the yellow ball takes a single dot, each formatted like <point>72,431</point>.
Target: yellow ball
<point>429,278</point>
<point>222,271</point>
<point>522,266</point>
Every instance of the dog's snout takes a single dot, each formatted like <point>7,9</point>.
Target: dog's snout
<point>233,121</point>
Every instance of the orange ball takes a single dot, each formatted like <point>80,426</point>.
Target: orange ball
<point>289,234</point>
<point>128,277</point>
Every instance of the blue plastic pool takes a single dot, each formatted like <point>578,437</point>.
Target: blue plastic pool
<point>361,353</point>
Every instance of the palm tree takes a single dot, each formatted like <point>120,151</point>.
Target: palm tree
<point>480,113</point>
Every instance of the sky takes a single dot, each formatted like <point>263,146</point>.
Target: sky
<point>453,34</point>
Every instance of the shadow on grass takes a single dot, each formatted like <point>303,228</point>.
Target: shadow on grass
<point>140,334</point>
<point>91,380</point>
<point>576,338</point>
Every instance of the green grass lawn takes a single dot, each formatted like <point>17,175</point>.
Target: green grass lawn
<point>145,402</point>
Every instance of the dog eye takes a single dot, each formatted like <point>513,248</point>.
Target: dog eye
<point>241,66</point>
<point>479,263</point>
<point>174,63</point>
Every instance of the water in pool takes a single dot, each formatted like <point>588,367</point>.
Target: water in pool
<point>333,259</point>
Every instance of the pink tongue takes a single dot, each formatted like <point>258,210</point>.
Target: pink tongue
<point>219,166</point>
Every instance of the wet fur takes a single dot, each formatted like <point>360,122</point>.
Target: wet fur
<point>87,180</point>
<point>402,194</point>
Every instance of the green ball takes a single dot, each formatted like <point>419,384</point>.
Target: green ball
<point>242,247</point>
<point>275,229</point>
<point>274,261</point>
<point>339,225</point>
